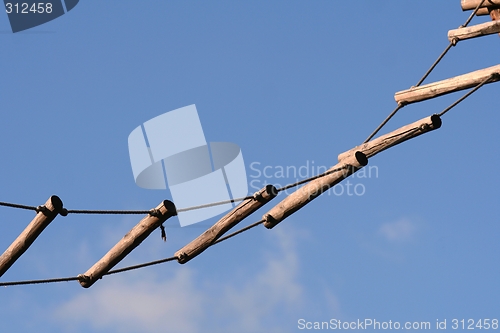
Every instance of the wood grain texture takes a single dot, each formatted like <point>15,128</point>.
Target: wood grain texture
<point>313,189</point>
<point>474,31</point>
<point>236,215</point>
<point>129,242</point>
<point>42,219</point>
<point>482,11</point>
<point>472,4</point>
<point>435,89</point>
<point>394,138</point>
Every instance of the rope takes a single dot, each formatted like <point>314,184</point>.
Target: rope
<point>146,264</point>
<point>104,212</point>
<point>452,43</point>
<point>152,212</point>
<point>18,283</point>
<point>438,60</point>
<point>306,180</point>
<point>286,187</point>
<point>13,205</point>
<point>400,106</point>
<point>461,99</point>
<point>124,269</point>
<point>473,14</point>
<point>74,211</point>
<point>214,204</point>
<point>238,232</point>
<point>476,88</point>
<point>157,262</point>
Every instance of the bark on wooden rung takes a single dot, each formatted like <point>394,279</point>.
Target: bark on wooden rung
<point>129,242</point>
<point>474,31</point>
<point>206,239</point>
<point>45,215</point>
<point>435,89</point>
<point>313,189</point>
<point>472,4</point>
<point>372,148</point>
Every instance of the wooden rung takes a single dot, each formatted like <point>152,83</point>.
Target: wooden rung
<point>482,12</point>
<point>431,90</point>
<point>495,14</point>
<point>45,215</point>
<point>313,189</point>
<point>472,4</point>
<point>129,242</point>
<point>479,30</point>
<point>206,239</point>
<point>396,137</point>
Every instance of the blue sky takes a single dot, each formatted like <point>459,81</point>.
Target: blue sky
<point>292,83</point>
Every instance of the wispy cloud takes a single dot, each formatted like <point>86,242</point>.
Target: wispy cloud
<point>398,231</point>
<point>392,240</point>
<point>187,302</point>
<point>144,305</point>
<point>274,287</point>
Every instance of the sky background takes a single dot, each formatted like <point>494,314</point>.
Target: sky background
<point>293,83</point>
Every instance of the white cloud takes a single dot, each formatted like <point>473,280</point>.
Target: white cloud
<point>144,305</point>
<point>188,302</point>
<point>401,230</point>
<point>273,290</point>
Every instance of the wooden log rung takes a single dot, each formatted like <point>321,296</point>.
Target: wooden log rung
<point>46,214</point>
<point>472,4</point>
<point>435,89</point>
<point>313,189</point>
<point>236,215</point>
<point>129,242</point>
<point>474,31</point>
<point>352,161</point>
<point>482,12</point>
<point>402,134</point>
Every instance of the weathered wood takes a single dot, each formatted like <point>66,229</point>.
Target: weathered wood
<point>396,137</point>
<point>482,12</point>
<point>45,215</point>
<point>435,89</point>
<point>313,189</point>
<point>479,30</point>
<point>206,239</point>
<point>472,4</point>
<point>495,14</point>
<point>129,242</point>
